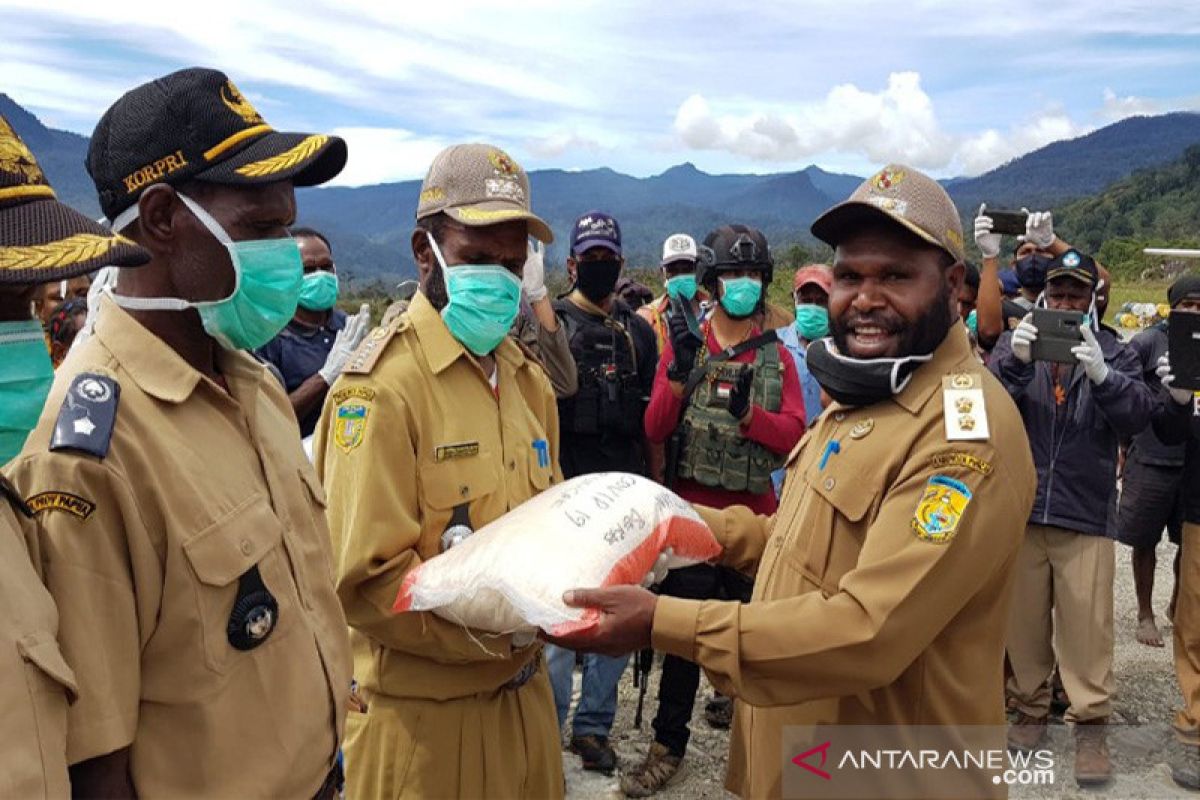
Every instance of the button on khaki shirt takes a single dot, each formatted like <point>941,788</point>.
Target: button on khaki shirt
<point>410,431</point>
<point>35,681</point>
<point>198,487</point>
<point>880,597</point>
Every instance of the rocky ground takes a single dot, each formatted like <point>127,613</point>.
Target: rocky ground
<point>1146,698</point>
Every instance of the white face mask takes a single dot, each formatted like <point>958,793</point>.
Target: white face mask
<point>268,276</point>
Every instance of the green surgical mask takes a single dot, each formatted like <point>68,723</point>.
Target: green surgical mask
<point>812,321</point>
<point>682,286</point>
<point>319,291</point>
<point>269,274</point>
<point>484,302</point>
<point>973,322</point>
<point>740,296</point>
<point>25,379</point>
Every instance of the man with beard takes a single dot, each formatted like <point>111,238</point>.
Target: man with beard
<point>439,424</point>
<point>601,427</point>
<point>883,581</point>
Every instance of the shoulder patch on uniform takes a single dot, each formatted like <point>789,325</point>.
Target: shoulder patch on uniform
<point>350,422</point>
<point>940,510</point>
<point>73,504</point>
<point>362,361</point>
<point>88,415</point>
<point>348,392</point>
<point>958,459</point>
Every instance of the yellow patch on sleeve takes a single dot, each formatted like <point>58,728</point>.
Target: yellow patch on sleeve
<point>73,504</point>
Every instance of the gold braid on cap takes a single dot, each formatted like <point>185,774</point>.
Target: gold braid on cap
<point>63,253</point>
<point>285,160</point>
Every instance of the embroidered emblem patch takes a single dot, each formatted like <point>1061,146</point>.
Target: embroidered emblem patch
<point>941,509</point>
<point>349,425</point>
<point>73,504</point>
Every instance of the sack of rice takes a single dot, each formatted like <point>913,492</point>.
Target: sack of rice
<point>604,529</point>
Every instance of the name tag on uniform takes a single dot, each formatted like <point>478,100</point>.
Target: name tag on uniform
<point>963,408</point>
<point>445,452</point>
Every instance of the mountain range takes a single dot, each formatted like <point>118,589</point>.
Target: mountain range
<point>370,226</point>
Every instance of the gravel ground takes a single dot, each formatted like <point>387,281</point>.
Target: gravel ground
<point>1145,701</point>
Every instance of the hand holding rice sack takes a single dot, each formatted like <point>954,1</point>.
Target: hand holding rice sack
<point>605,529</point>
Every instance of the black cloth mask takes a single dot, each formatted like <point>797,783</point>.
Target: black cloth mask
<point>860,381</point>
<point>597,279</point>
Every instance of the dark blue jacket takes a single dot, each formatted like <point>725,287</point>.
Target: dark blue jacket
<point>1148,448</point>
<point>1075,448</point>
<point>1180,425</point>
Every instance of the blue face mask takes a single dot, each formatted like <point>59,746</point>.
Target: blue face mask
<point>319,291</point>
<point>484,302</point>
<point>812,321</point>
<point>682,286</point>
<point>269,274</point>
<point>25,379</point>
<point>740,296</point>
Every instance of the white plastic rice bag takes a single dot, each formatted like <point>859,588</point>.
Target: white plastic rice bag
<point>604,529</point>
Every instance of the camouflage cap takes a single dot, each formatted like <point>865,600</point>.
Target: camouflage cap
<point>41,239</point>
<point>902,195</point>
<point>479,185</point>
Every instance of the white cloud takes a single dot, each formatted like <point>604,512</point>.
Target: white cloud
<point>1116,108</point>
<point>380,155</point>
<point>895,124</point>
<point>991,148</point>
<point>898,123</point>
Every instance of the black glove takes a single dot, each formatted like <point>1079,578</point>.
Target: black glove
<point>739,395</point>
<point>685,346</point>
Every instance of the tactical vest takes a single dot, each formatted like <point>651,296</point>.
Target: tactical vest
<point>609,401</point>
<point>715,451</point>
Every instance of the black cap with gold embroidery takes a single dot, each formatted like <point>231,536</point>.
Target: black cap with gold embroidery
<point>194,124</point>
<point>40,238</point>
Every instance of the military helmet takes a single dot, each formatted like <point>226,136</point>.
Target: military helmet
<point>733,247</point>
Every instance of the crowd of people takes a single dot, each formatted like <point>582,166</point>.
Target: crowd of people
<point>216,480</point>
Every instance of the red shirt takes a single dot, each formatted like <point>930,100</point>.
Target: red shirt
<point>777,431</point>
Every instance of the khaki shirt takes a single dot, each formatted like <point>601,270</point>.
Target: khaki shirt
<point>860,615</point>
<point>35,681</point>
<point>410,431</point>
<point>198,487</point>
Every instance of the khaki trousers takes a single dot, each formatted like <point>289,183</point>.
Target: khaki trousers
<point>503,744</point>
<point>1187,635</point>
<point>1062,604</point>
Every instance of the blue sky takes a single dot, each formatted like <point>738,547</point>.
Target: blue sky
<point>636,86</point>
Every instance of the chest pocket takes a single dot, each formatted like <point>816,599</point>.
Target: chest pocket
<point>248,536</point>
<point>837,502</point>
<point>445,486</point>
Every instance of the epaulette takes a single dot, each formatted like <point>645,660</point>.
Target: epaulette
<point>363,359</point>
<point>88,415</point>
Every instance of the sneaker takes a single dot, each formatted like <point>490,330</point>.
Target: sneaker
<point>1185,764</point>
<point>1092,763</point>
<point>1026,733</point>
<point>719,712</point>
<point>657,772</point>
<point>595,752</point>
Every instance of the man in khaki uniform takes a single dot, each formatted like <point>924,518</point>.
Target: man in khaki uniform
<point>883,581</point>
<point>440,424</point>
<point>180,524</point>
<point>35,682</point>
